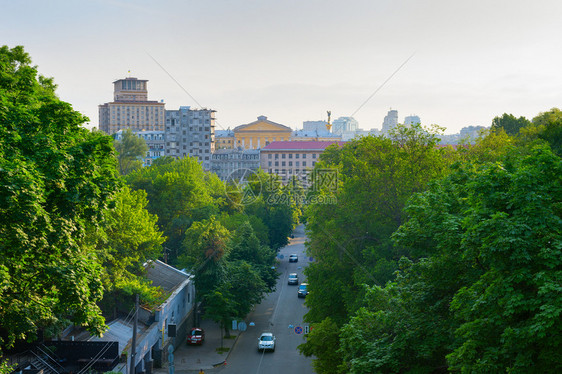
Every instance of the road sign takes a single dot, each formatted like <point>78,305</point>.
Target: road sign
<point>306,329</point>
<point>234,324</point>
<point>242,326</point>
<point>298,330</point>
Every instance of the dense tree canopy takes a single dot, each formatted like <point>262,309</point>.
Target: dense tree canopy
<point>509,123</point>
<point>485,297</point>
<point>55,178</point>
<point>130,151</point>
<point>351,241</point>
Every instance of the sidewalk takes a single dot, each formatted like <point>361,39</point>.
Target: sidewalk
<point>190,359</point>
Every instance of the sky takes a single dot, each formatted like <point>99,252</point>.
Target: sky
<point>452,63</point>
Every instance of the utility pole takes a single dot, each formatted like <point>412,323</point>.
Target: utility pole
<point>134,342</point>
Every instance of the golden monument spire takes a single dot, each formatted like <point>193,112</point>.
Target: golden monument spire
<point>329,125</point>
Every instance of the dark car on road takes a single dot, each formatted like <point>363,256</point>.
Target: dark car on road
<point>293,258</point>
<point>303,290</point>
<point>196,336</point>
<point>293,278</point>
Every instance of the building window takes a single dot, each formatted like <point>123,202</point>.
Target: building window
<point>269,163</point>
<point>290,163</point>
<point>304,163</point>
<point>297,163</point>
<point>276,163</point>
<point>297,155</point>
<point>283,163</point>
<point>269,156</point>
<point>277,156</point>
<point>290,155</point>
<point>283,155</point>
<point>304,155</point>
<point>314,155</point>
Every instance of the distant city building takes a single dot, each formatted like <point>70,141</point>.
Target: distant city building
<point>390,121</point>
<point>131,109</point>
<point>412,120</point>
<point>191,132</point>
<point>314,130</point>
<point>344,124</point>
<point>314,125</point>
<point>471,131</point>
<point>314,135</point>
<point>235,164</point>
<point>467,135</point>
<point>224,139</point>
<point>360,133</point>
<point>155,141</point>
<point>260,133</point>
<point>293,159</point>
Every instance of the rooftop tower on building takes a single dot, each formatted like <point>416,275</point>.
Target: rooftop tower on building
<point>131,109</point>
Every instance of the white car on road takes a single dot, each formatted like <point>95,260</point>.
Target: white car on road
<point>266,342</point>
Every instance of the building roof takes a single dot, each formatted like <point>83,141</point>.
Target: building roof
<point>223,133</point>
<point>264,119</point>
<point>300,145</point>
<point>164,275</point>
<point>132,102</point>
<point>315,134</point>
<point>236,150</point>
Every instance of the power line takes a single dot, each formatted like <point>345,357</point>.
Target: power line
<point>382,85</point>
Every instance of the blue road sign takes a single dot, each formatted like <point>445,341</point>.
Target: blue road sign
<point>298,330</point>
<point>242,326</point>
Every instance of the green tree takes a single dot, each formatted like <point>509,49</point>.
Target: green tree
<point>204,252</point>
<point>351,239</point>
<point>245,246</point>
<point>549,127</point>
<point>484,296</point>
<point>129,239</point>
<point>55,177</point>
<point>179,193</point>
<point>130,151</point>
<point>513,229</point>
<point>509,123</point>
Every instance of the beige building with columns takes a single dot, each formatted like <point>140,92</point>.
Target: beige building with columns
<point>260,133</point>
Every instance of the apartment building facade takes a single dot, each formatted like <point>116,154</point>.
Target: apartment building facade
<point>131,109</point>
<point>290,159</point>
<point>191,132</point>
<point>235,164</point>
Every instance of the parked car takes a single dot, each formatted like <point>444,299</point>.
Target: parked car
<point>293,278</point>
<point>266,342</point>
<point>293,258</point>
<point>196,336</point>
<point>303,290</point>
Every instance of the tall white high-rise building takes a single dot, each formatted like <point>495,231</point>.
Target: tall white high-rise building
<point>344,125</point>
<point>412,120</point>
<point>390,121</point>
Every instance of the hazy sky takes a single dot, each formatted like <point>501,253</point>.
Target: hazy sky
<point>294,60</point>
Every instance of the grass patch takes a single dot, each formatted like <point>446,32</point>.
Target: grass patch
<point>230,337</point>
<point>222,350</point>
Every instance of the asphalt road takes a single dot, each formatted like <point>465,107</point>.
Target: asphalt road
<point>281,312</point>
